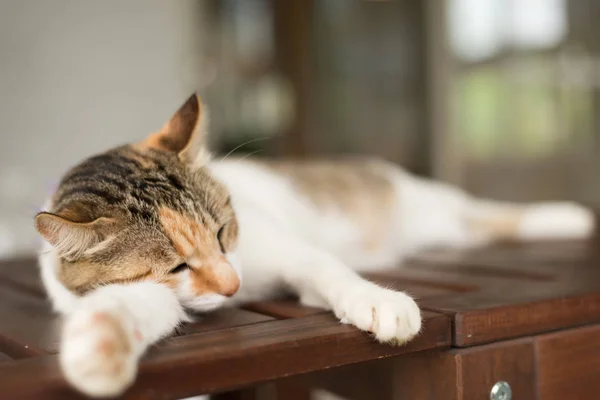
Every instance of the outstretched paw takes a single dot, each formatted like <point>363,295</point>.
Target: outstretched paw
<point>97,353</point>
<point>392,317</point>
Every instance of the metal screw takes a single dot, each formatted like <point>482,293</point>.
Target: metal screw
<point>501,391</point>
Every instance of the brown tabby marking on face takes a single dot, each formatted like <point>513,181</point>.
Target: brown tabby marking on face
<point>85,274</point>
<point>229,232</point>
<point>199,246</point>
<point>358,189</point>
<point>104,220</point>
<point>190,239</point>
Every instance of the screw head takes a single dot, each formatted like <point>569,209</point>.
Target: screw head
<point>501,391</point>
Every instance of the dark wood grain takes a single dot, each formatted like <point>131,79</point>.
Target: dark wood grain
<point>5,357</point>
<point>533,317</point>
<point>364,381</point>
<point>511,290</point>
<point>270,350</point>
<point>417,287</point>
<point>27,325</point>
<point>489,315</point>
<point>500,292</point>
<point>22,274</point>
<point>288,389</point>
<point>17,380</point>
<point>287,308</point>
<point>222,319</point>
<point>236,357</point>
<point>246,394</point>
<point>470,298</point>
<point>480,368</point>
<point>403,279</point>
<point>569,364</point>
<point>455,374</point>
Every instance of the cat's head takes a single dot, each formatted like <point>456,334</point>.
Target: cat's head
<point>148,211</point>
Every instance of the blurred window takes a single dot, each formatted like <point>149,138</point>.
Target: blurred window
<point>522,95</point>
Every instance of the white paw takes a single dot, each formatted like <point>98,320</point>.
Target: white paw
<point>557,221</point>
<point>391,316</point>
<point>97,353</point>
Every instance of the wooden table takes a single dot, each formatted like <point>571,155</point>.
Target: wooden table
<point>525,314</point>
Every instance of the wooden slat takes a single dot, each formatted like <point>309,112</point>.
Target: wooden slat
<point>27,325</point>
<point>481,368</point>
<point>513,290</point>
<point>451,281</point>
<point>270,350</point>
<point>227,359</point>
<point>22,274</point>
<point>504,270</point>
<point>222,319</point>
<point>417,287</point>
<point>489,295</point>
<point>245,394</point>
<point>482,318</point>
<point>569,364</point>
<point>453,374</point>
<point>282,309</point>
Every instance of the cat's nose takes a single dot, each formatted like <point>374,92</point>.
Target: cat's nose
<point>228,280</point>
<point>231,286</point>
<point>218,277</point>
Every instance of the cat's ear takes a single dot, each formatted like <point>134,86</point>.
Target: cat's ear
<point>185,133</point>
<point>71,238</point>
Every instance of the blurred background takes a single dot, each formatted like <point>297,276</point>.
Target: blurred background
<point>500,97</point>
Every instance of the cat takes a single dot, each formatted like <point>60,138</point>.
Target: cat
<point>137,236</point>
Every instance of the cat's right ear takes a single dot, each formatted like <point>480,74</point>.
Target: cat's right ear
<point>72,238</point>
<point>184,134</point>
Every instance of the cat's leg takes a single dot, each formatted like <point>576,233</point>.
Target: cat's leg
<point>536,221</point>
<point>111,327</point>
<point>322,280</point>
<point>436,214</point>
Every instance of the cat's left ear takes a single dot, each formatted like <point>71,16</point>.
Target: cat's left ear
<point>185,133</point>
<point>72,238</point>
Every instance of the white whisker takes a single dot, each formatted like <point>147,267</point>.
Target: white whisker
<point>241,145</point>
<point>250,154</point>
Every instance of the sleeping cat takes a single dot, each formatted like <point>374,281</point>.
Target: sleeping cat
<point>139,234</point>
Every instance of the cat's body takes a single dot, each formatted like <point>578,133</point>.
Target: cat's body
<point>304,228</point>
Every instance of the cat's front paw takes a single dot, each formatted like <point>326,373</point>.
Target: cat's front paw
<point>392,317</point>
<point>97,355</point>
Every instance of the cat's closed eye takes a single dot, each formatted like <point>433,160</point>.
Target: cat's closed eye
<point>179,268</point>
<point>220,238</point>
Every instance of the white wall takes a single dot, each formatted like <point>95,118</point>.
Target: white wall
<point>79,76</point>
